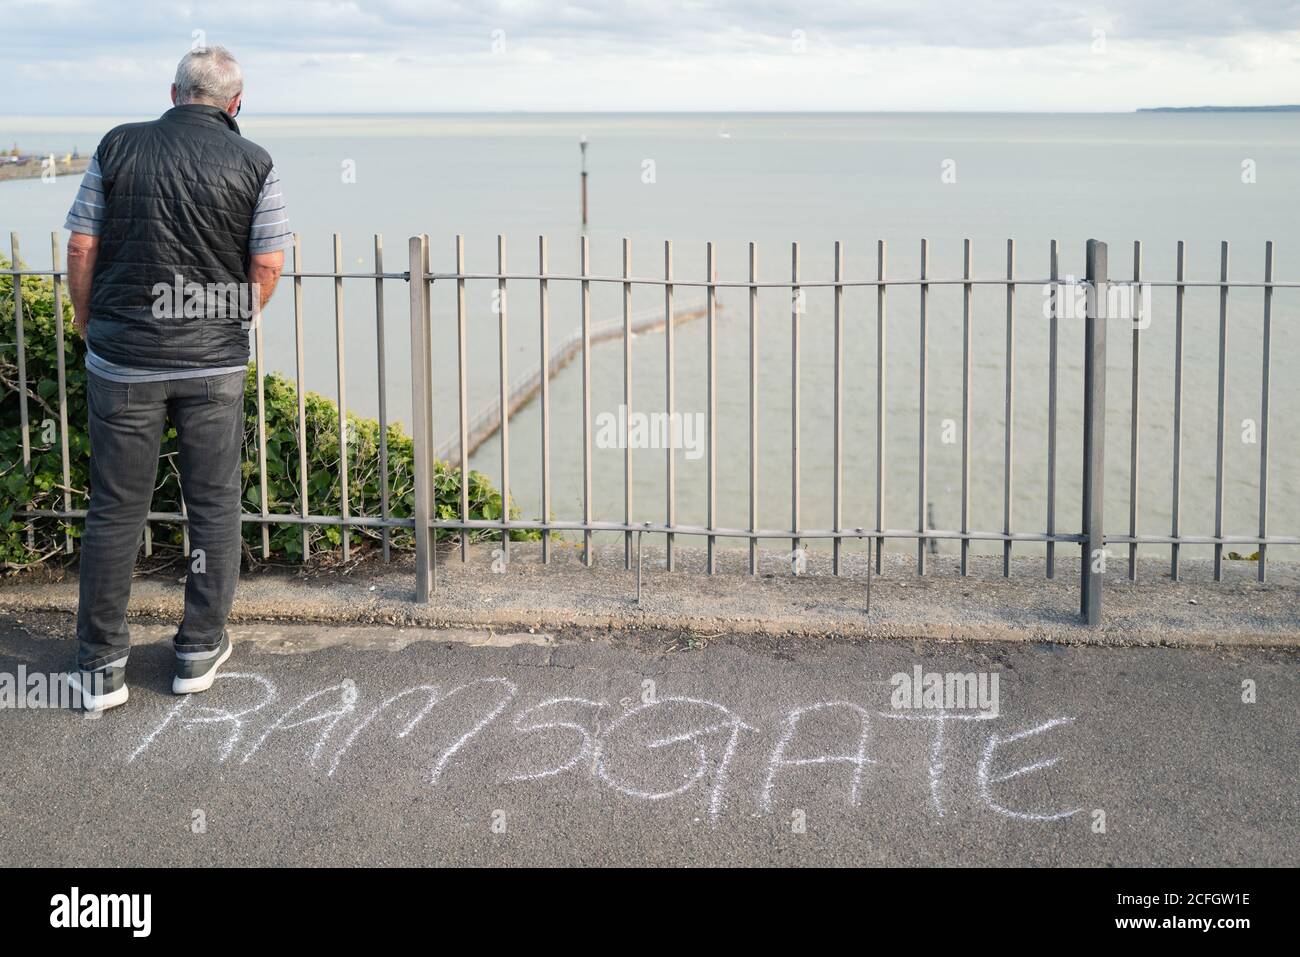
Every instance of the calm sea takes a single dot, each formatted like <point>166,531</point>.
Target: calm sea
<point>774,179</point>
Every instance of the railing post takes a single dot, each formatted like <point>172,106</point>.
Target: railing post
<point>1093,559</point>
<point>420,406</point>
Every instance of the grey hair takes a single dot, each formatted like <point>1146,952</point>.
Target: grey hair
<point>208,75</point>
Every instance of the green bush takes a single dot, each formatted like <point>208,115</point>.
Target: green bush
<point>41,487</point>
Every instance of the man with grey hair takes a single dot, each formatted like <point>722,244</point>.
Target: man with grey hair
<point>178,239</point>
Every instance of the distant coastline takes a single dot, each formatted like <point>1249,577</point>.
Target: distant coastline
<point>30,167</point>
<point>1287,108</point>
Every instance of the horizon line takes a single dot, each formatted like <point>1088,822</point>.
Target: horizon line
<point>708,112</point>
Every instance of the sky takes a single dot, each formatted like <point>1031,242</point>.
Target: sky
<point>327,56</point>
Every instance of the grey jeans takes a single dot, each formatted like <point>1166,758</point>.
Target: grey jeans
<point>126,426</point>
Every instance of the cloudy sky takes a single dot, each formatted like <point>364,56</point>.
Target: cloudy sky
<point>118,56</point>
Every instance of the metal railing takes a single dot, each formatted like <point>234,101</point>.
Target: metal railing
<point>1091,536</point>
<point>304,517</point>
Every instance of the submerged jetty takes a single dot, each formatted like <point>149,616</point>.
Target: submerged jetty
<point>487,421</point>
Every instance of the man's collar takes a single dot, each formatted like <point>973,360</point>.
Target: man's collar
<point>203,110</point>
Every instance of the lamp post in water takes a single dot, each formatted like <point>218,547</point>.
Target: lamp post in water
<point>582,143</point>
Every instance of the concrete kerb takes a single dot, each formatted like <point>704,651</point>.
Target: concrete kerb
<point>565,595</point>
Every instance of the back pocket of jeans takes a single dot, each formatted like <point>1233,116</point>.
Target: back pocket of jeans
<point>107,398</point>
<point>226,388</point>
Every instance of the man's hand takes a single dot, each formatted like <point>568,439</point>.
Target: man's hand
<point>83,250</point>
<point>264,272</point>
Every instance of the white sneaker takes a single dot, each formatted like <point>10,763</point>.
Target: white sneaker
<point>99,690</point>
<point>196,670</point>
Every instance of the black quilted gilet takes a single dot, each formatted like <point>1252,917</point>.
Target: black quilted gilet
<point>179,193</point>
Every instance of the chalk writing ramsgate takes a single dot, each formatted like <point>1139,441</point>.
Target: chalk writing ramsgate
<point>669,748</point>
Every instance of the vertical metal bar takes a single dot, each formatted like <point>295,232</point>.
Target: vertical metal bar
<point>923,362</point>
<point>343,397</point>
<point>1178,414</point>
<point>462,401</point>
<point>670,454</point>
<point>1134,300</point>
<point>627,401</point>
<point>1265,375</point>
<point>544,321</point>
<point>303,508</point>
<point>430,459</point>
<point>1223,402</point>
<point>585,259</point>
<point>1092,563</point>
<point>61,360</point>
<point>1052,354</point>
<point>1008,446</point>
<point>711,376</point>
<point>419,416</point>
<point>185,527</point>
<point>504,376</point>
<point>22,374</point>
<point>965,406</point>
<point>795,308</point>
<point>868,601</point>
<point>264,510</point>
<point>837,504</point>
<point>880,401</point>
<point>382,374</point>
<point>753,408</point>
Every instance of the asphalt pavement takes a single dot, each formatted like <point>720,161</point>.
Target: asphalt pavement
<point>346,744</point>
